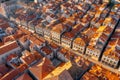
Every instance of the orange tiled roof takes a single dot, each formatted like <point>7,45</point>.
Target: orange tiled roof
<point>69,35</point>
<point>63,51</point>
<point>42,69</point>
<point>79,41</point>
<point>112,42</point>
<point>13,73</point>
<point>28,59</point>
<point>24,76</point>
<point>46,50</point>
<point>90,31</point>
<point>89,76</point>
<point>11,56</point>
<point>112,54</point>
<point>10,75</point>
<point>1,43</point>
<point>91,47</point>
<point>24,38</point>
<point>58,28</point>
<point>101,73</point>
<point>18,34</point>
<point>72,33</point>
<point>100,21</point>
<point>53,45</point>
<point>22,68</point>
<point>24,30</point>
<point>37,55</point>
<point>108,30</point>
<point>8,38</point>
<point>35,40</point>
<point>8,47</point>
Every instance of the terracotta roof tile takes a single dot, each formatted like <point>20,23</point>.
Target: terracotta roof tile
<point>114,54</point>
<point>89,76</point>
<point>58,28</point>
<point>24,30</point>
<point>46,50</point>
<point>10,75</point>
<point>24,76</point>
<point>8,38</point>
<point>22,68</point>
<point>107,30</point>
<point>63,51</point>
<point>13,73</point>
<point>1,43</point>
<point>79,41</point>
<point>8,47</point>
<point>37,55</point>
<point>90,47</point>
<point>18,34</point>
<point>54,46</point>
<point>101,73</point>
<point>35,40</point>
<point>112,42</point>
<point>73,33</point>
<point>24,38</point>
<point>42,69</point>
<point>90,31</point>
<point>28,59</point>
<point>60,74</point>
<point>11,56</point>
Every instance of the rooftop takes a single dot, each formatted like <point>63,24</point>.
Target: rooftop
<point>54,46</point>
<point>8,39</point>
<point>13,73</point>
<point>24,77</point>
<point>76,29</point>
<point>102,73</point>
<point>44,67</point>
<point>36,22</point>
<point>8,47</point>
<point>28,58</point>
<point>89,76</point>
<point>46,50</point>
<point>60,73</point>
<point>79,41</point>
